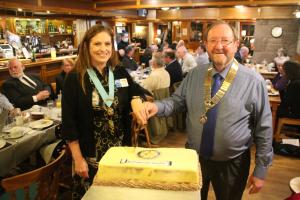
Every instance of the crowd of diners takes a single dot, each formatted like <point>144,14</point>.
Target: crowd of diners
<point>97,90</point>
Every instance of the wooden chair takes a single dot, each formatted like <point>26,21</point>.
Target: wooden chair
<point>281,123</point>
<point>136,130</point>
<point>179,118</point>
<point>47,178</point>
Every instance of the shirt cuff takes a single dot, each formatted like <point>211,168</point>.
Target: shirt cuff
<point>34,98</point>
<point>260,172</point>
<point>161,108</point>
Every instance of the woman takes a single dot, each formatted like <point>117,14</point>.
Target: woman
<point>289,106</point>
<point>67,66</point>
<point>96,105</point>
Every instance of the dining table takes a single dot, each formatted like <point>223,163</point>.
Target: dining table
<point>34,135</point>
<point>274,103</point>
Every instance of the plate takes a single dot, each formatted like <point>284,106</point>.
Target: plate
<point>273,93</point>
<point>40,124</point>
<point>2,143</point>
<point>14,133</point>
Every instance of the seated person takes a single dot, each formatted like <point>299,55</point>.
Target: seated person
<point>242,54</point>
<point>188,61</point>
<point>67,66</point>
<point>202,56</point>
<point>24,91</point>
<point>280,81</point>
<point>5,104</point>
<point>289,106</point>
<point>281,57</point>
<point>159,77</point>
<point>172,66</point>
<point>128,61</point>
<point>146,57</point>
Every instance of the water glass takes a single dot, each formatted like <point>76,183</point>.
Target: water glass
<point>50,104</point>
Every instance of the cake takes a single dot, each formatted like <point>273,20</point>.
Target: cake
<point>174,169</point>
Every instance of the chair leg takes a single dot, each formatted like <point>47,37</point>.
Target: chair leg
<point>147,136</point>
<point>278,130</point>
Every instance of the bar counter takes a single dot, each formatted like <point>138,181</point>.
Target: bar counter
<point>46,68</point>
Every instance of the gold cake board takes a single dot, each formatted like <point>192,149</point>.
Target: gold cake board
<point>125,193</point>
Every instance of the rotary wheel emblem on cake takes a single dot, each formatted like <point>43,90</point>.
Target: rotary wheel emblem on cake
<point>148,154</point>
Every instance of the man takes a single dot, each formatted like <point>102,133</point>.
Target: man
<point>242,54</point>
<point>202,56</point>
<point>188,61</point>
<point>24,91</point>
<point>223,129</point>
<point>128,61</point>
<point>172,66</point>
<point>123,43</point>
<point>159,77</point>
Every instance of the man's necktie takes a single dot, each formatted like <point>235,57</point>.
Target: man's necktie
<point>29,82</point>
<point>208,133</point>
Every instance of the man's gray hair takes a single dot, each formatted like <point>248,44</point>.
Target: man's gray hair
<point>244,49</point>
<point>158,59</point>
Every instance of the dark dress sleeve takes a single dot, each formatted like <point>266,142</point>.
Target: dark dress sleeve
<point>69,107</point>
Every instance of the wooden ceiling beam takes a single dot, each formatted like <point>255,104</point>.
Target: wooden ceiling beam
<point>191,4</point>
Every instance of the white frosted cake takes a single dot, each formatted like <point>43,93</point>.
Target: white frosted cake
<point>174,169</point>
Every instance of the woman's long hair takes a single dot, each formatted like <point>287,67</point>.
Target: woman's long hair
<point>83,61</point>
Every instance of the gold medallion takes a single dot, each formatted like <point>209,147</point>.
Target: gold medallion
<point>210,101</point>
<point>148,154</point>
<point>203,119</point>
<point>110,111</point>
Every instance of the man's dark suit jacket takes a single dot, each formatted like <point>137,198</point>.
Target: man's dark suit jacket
<point>129,63</point>
<point>175,72</point>
<point>20,95</point>
<point>238,57</point>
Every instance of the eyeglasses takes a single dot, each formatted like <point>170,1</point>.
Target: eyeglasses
<point>224,43</point>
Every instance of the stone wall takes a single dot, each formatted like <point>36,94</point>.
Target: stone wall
<point>266,46</point>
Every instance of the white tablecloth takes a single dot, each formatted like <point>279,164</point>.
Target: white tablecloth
<point>20,149</point>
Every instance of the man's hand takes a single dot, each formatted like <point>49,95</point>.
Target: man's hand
<point>151,109</point>
<point>42,95</point>
<point>255,184</point>
<point>143,111</point>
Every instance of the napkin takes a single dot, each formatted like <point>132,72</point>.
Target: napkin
<point>47,150</point>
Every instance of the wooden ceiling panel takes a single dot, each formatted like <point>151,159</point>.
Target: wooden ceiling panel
<point>78,4</point>
<point>159,2</point>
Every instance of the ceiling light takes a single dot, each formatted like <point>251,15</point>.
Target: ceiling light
<point>177,8</point>
<point>165,8</point>
<point>297,13</point>
<point>239,6</point>
<point>20,9</point>
<point>48,12</point>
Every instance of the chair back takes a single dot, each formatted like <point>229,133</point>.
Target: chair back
<point>138,129</point>
<point>158,126</point>
<point>47,178</point>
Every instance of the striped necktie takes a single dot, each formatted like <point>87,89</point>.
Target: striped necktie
<point>28,82</point>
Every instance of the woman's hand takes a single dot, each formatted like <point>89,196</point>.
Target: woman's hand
<point>81,167</point>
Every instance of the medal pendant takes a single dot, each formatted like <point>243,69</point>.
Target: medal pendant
<point>110,111</point>
<point>203,119</point>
